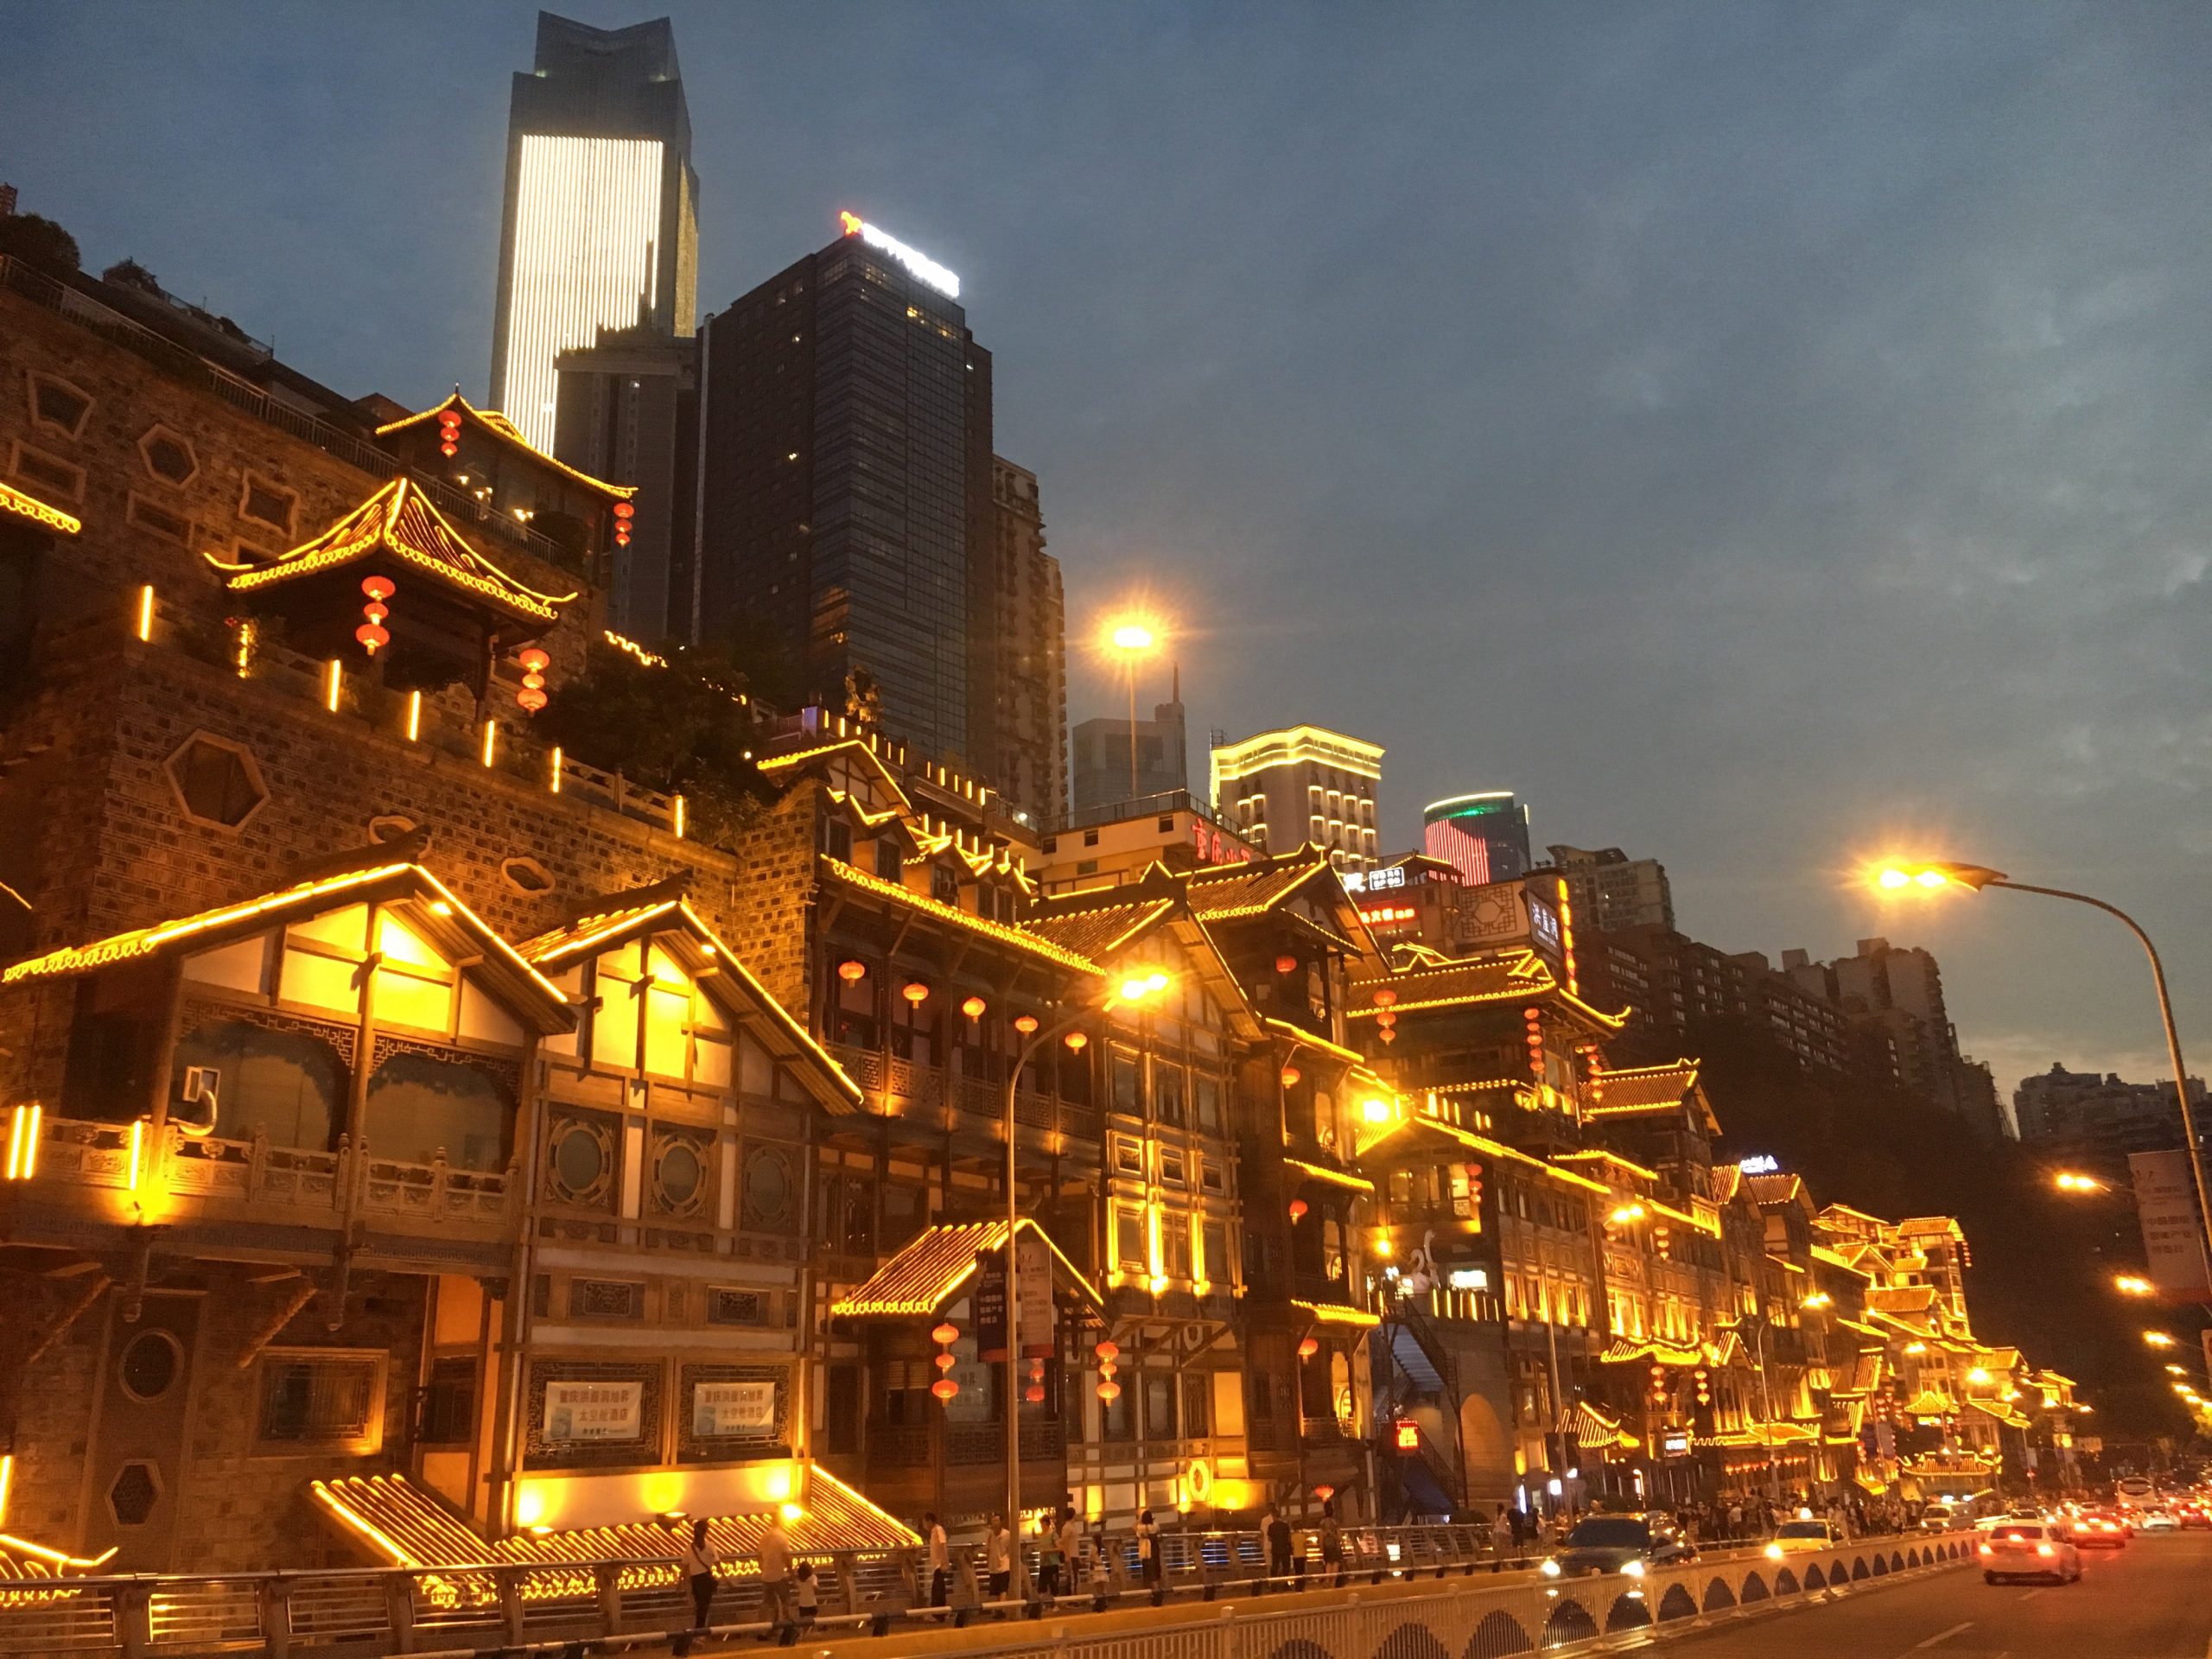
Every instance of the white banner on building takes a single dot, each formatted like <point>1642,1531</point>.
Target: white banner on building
<point>723,1410</point>
<point>2173,1234</point>
<point>1033,1257</point>
<point>595,1411</point>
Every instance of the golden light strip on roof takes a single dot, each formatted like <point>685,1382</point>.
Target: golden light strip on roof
<point>1320,1044</point>
<point>775,1009</point>
<point>1336,1313</point>
<point>1612,1157</point>
<point>937,907</point>
<point>1330,1177</point>
<point>971,1238</point>
<point>13,500</point>
<point>1475,1142</point>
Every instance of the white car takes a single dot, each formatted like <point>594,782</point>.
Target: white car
<point>2028,1549</point>
<point>2161,1520</point>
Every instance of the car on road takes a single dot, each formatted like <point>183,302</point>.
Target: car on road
<point>2100,1529</point>
<point>1937,1517</point>
<point>1626,1544</point>
<point>2161,1519</point>
<point>2194,1512</point>
<point>2028,1549</point>
<point>1800,1537</point>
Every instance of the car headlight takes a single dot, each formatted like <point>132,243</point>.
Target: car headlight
<point>1774,1552</point>
<point>1551,1569</point>
<point>1632,1569</point>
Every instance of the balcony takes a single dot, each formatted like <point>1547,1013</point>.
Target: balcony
<point>284,1186</point>
<point>899,1088</point>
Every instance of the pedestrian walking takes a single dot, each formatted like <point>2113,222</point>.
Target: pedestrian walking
<point>940,1560</point>
<point>809,1593</point>
<point>1071,1551</point>
<point>1278,1533</point>
<point>697,1561</point>
<point>1048,1559</point>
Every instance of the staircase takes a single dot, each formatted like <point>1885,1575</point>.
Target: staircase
<point>1420,1371</point>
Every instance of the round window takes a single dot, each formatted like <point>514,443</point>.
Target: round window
<point>579,1158</point>
<point>767,1190</point>
<point>151,1361</point>
<point>681,1172</point>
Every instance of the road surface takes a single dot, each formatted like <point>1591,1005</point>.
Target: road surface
<point>2147,1601</point>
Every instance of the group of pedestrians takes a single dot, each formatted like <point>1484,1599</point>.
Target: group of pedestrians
<point>789,1593</point>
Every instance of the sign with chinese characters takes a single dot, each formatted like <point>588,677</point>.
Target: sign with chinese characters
<point>594,1411</point>
<point>1675,1443</point>
<point>1215,845</point>
<point>728,1410</point>
<point>1762,1163</point>
<point>1034,1295</point>
<point>2173,1233</point>
<point>920,263</point>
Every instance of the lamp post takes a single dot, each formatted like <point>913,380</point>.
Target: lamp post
<point>1134,988</point>
<point>1132,639</point>
<point>1936,877</point>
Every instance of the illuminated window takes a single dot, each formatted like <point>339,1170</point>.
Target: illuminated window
<point>288,1085</point>
<point>421,1107</point>
<point>1129,1238</point>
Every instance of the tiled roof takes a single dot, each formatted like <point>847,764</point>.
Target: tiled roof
<point>1592,1428</point>
<point>921,1278</point>
<point>1234,891</point>
<point>1328,1177</point>
<point>1902,1298</point>
<point>399,521</point>
<point>1500,976</point>
<point>1336,1313</point>
<point>1865,1375</point>
<point>398,1524</point>
<point>1645,1087</point>
<point>505,431</point>
<point>1002,932</point>
<point>538,996</point>
<point>1784,1188</point>
<point>1095,931</point>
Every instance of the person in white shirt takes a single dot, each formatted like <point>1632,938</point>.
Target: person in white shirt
<point>776,1572</point>
<point>1148,1548</point>
<point>940,1560</point>
<point>697,1561</point>
<point>998,1558</point>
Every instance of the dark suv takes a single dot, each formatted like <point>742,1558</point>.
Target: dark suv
<point>1626,1544</point>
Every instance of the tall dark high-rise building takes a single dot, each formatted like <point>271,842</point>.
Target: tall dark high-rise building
<point>601,225</point>
<point>845,487</point>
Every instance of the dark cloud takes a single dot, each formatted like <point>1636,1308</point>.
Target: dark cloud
<point>1749,432</point>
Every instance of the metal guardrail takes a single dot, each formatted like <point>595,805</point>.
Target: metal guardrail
<point>182,363</point>
<point>1440,1579</point>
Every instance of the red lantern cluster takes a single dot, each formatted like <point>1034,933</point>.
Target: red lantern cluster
<point>450,431</point>
<point>1109,1390</point>
<point>1034,1394</point>
<point>623,513</point>
<point>372,633</point>
<point>1534,1019</point>
<point>945,1336</point>
<point>532,695</point>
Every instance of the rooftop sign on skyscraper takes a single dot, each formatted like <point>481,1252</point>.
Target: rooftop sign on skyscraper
<point>920,263</point>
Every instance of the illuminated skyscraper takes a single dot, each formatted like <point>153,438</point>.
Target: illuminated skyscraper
<point>601,226</point>
<point>1485,837</point>
<point>846,505</point>
<point>1302,784</point>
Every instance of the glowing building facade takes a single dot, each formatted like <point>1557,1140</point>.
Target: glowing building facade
<point>601,229</point>
<point>1298,785</point>
<point>1486,836</point>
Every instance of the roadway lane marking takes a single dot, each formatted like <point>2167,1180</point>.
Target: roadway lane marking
<point>1942,1636</point>
<point>2032,1594</point>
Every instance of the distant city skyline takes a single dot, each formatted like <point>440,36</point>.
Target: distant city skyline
<point>1722,549</point>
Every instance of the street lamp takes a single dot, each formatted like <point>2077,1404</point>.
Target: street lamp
<point>1134,986</point>
<point>1934,876</point>
<point>2067,1181</point>
<point>2157,1339</point>
<point>2129,1284</point>
<point>1134,637</point>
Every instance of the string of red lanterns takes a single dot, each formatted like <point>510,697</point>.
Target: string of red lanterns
<point>450,431</point>
<point>945,1336</point>
<point>372,633</point>
<point>623,513</point>
<point>1109,1390</point>
<point>532,695</point>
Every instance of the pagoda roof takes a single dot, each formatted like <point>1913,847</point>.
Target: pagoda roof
<point>507,433</point>
<point>1652,1090</point>
<point>1498,977</point>
<point>1233,892</point>
<point>400,523</point>
<point>1007,933</point>
<point>1096,931</point>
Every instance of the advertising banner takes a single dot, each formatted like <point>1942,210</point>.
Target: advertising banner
<point>725,1410</point>
<point>594,1411</point>
<point>2173,1234</point>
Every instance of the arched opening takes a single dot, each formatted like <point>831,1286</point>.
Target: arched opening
<point>1498,1637</point>
<point>420,1104</point>
<point>290,1085</point>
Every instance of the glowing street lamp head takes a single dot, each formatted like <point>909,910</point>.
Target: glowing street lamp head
<point>2157,1339</point>
<point>1929,876</point>
<point>1133,636</point>
<point>2067,1181</point>
<point>1142,984</point>
<point>2129,1284</point>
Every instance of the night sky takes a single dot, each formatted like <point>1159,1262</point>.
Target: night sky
<point>1761,435</point>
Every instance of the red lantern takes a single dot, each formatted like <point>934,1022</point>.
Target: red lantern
<point>1026,1024</point>
<point>916,992</point>
<point>1285,963</point>
<point>1077,1041</point>
<point>1297,1209</point>
<point>852,972</point>
<point>945,1362</point>
<point>1324,1492</point>
<point>448,431</point>
<point>1108,1351</point>
<point>1290,1077</point>
<point>1110,1392</point>
<point>947,1333</point>
<point>1034,1394</point>
<point>973,1007</point>
<point>625,510</point>
<point>945,1387</point>
<point>1385,997</point>
<point>1308,1348</point>
<point>1386,1019</point>
<point>371,633</point>
<point>532,695</point>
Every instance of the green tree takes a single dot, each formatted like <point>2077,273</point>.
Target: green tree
<point>38,242</point>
